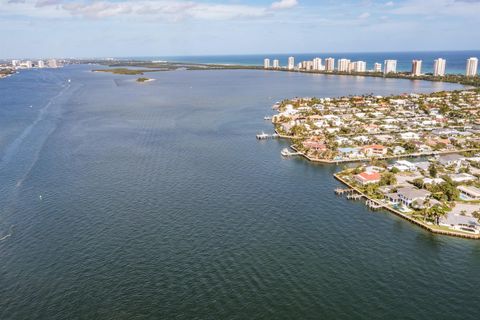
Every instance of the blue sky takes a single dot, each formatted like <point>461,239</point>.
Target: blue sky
<point>103,28</point>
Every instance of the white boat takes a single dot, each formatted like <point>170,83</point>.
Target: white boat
<point>267,118</point>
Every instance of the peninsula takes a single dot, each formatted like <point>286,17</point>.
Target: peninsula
<point>440,191</point>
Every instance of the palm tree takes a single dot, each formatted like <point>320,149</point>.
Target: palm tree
<point>438,211</point>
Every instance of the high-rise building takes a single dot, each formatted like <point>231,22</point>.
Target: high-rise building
<point>377,67</point>
<point>360,66</point>
<point>291,63</point>
<point>439,67</point>
<point>28,64</point>
<point>472,65</point>
<point>329,64</point>
<point>317,64</point>
<point>351,66</point>
<point>41,64</point>
<point>15,63</point>
<point>389,66</point>
<point>276,64</point>
<point>266,63</point>
<point>416,67</point>
<point>52,63</point>
<point>343,65</point>
<point>309,65</point>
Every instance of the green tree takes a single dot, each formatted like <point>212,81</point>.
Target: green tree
<point>432,169</point>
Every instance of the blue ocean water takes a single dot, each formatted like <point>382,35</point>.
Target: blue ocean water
<point>122,200</point>
<point>456,60</point>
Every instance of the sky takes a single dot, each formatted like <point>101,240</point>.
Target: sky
<point>122,28</point>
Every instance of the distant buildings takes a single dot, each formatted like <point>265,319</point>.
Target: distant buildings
<point>472,65</point>
<point>329,64</point>
<point>317,64</point>
<point>266,63</point>
<point>439,67</point>
<point>343,65</point>
<point>390,66</point>
<point>291,63</point>
<point>27,64</point>
<point>360,66</point>
<point>416,67</point>
<point>309,65</point>
<point>52,63</point>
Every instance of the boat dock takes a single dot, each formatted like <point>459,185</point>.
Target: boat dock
<point>287,153</point>
<point>341,191</point>
<point>374,205</point>
<point>351,193</point>
<point>354,196</point>
<point>263,136</point>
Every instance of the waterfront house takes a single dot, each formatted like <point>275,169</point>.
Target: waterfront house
<point>365,178</point>
<point>469,192</point>
<point>375,150</point>
<point>404,165</point>
<point>318,146</point>
<point>408,195</point>
<point>371,169</point>
<point>350,153</point>
<point>392,198</point>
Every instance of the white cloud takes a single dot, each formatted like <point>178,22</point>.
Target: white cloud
<point>284,4</point>
<point>364,15</point>
<point>164,9</point>
<point>389,4</point>
<point>457,8</point>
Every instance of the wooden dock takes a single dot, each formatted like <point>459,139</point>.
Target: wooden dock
<point>374,205</point>
<point>354,196</point>
<point>264,136</point>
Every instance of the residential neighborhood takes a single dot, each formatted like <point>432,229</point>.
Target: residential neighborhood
<point>419,154</point>
<point>442,191</point>
<point>359,128</point>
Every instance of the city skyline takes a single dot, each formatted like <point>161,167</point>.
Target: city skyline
<point>349,66</point>
<point>121,28</point>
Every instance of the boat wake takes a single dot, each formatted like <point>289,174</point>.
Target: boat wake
<point>9,234</point>
<point>11,150</point>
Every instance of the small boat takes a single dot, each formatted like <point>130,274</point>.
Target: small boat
<point>267,118</point>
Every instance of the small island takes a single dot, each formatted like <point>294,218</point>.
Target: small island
<point>126,71</point>
<point>142,80</point>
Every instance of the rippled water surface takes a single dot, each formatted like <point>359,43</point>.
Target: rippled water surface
<point>122,200</point>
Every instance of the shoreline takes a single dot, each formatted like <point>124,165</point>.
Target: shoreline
<point>408,218</point>
<point>449,230</point>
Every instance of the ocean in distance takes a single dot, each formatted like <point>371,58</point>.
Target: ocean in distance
<point>456,60</point>
<point>123,200</point>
